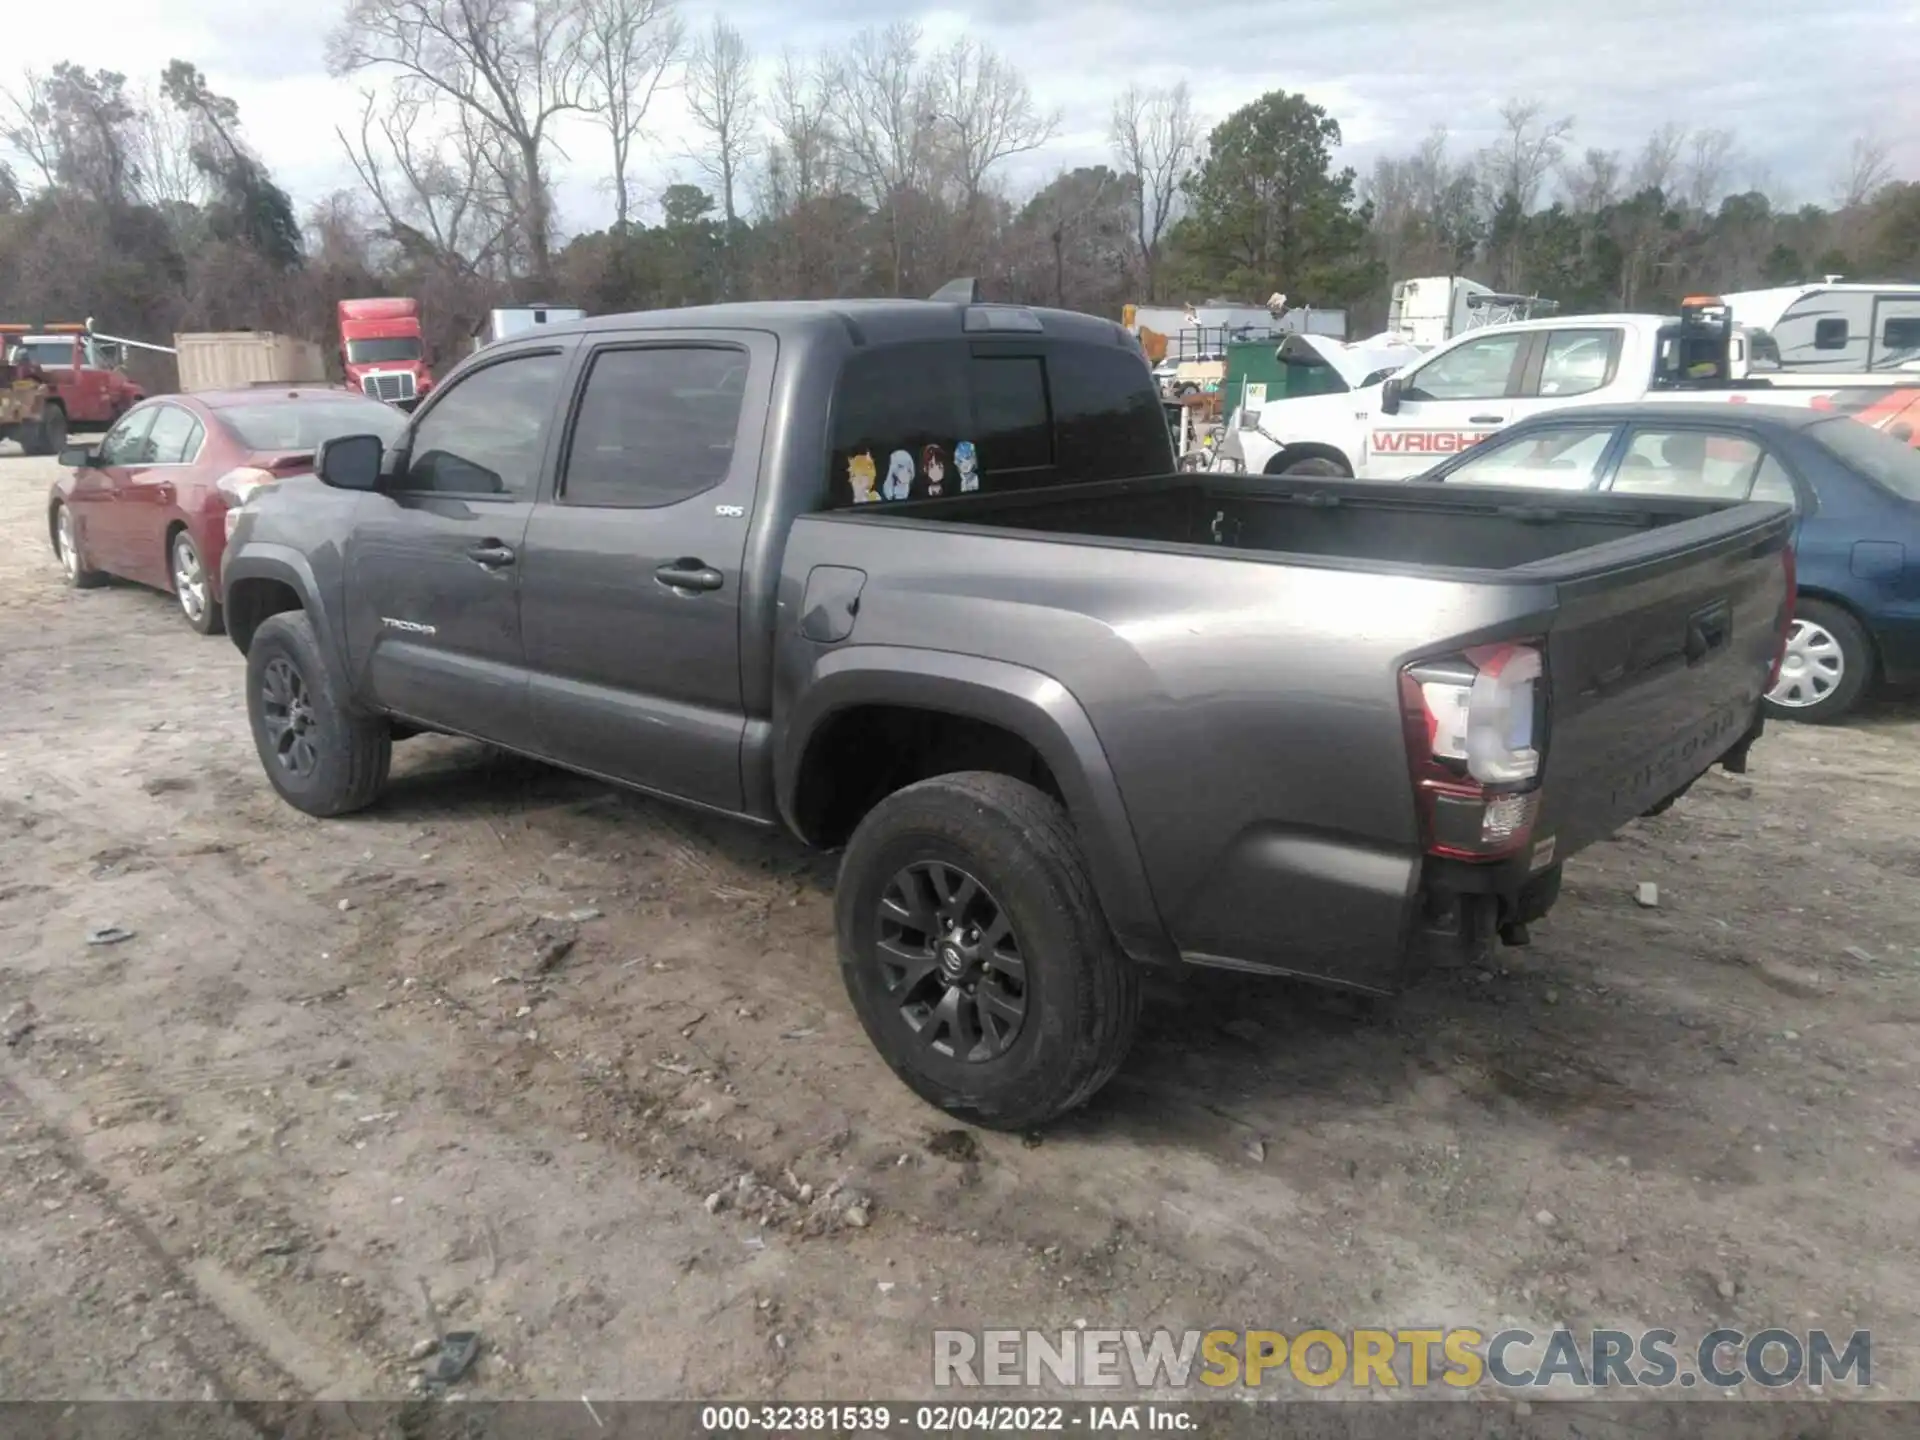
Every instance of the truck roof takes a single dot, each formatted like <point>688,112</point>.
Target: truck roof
<point>864,322</point>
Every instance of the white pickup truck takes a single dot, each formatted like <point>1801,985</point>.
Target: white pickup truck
<point>1457,395</point>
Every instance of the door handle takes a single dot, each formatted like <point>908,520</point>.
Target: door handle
<point>689,574</point>
<point>492,554</point>
<point>1485,419</point>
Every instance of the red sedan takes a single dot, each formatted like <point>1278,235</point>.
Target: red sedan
<point>149,502</point>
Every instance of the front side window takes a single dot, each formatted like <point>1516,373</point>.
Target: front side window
<point>1562,458</point>
<point>1478,370</point>
<point>656,425</point>
<point>124,442</point>
<point>174,438</point>
<point>487,433</point>
<point>1706,464</point>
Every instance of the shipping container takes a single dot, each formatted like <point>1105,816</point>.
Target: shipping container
<point>236,359</point>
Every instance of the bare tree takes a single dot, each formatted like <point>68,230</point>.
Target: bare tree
<point>510,66</point>
<point>1155,136</point>
<point>984,114</point>
<point>1594,183</point>
<point>163,141</point>
<point>1659,159</point>
<point>720,98</point>
<point>631,45</point>
<point>31,133</point>
<point>1710,155</point>
<point>1519,163</point>
<point>886,126</point>
<point>1868,168</point>
<point>804,148</point>
<point>441,197</point>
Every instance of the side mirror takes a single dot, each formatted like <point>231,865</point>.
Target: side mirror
<point>350,462</point>
<point>1249,419</point>
<point>77,457</point>
<point>1391,390</point>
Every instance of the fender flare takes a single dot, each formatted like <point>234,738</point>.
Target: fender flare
<point>1032,705</point>
<point>287,566</point>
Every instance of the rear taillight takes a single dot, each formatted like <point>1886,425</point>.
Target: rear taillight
<point>1474,727</point>
<point>1786,618</point>
<point>239,486</point>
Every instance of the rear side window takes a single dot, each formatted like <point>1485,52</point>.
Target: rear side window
<point>1107,415</point>
<point>929,421</point>
<point>656,426</point>
<point>1707,464</point>
<point>1577,362</point>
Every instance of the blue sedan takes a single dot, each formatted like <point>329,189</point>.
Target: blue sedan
<point>1857,491</point>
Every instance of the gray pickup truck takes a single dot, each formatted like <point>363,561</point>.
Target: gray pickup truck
<point>918,579</point>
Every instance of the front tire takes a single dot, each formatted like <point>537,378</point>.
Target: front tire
<point>1314,466</point>
<point>976,954</point>
<point>66,545</point>
<point>1828,663</point>
<point>322,756</point>
<point>193,587</point>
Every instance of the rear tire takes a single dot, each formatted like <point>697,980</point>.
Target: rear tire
<point>1828,664</point>
<point>49,437</point>
<point>939,1001</point>
<point>193,588</point>
<point>321,755</point>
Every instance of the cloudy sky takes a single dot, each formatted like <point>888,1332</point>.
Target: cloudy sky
<point>1796,83</point>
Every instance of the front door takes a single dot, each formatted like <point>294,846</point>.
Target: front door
<point>148,503</point>
<point>632,586</point>
<point>433,570</point>
<point>100,512</point>
<point>1452,402</point>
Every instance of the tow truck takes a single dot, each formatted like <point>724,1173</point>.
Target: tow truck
<point>83,367</point>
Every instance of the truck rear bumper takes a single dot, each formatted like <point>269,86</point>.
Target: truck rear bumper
<point>1340,913</point>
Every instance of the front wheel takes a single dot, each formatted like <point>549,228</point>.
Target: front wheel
<point>976,954</point>
<point>322,756</point>
<point>66,544</point>
<point>1317,466</point>
<point>193,588</point>
<point>1828,663</point>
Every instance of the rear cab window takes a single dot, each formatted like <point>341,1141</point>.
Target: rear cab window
<point>925,421</point>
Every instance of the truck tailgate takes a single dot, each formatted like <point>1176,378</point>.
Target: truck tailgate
<point>1657,658</point>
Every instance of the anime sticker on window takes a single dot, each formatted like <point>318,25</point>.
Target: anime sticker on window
<point>933,465</point>
<point>860,476</point>
<point>900,471</point>
<point>968,464</point>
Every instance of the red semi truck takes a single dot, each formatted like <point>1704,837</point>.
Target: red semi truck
<point>382,351</point>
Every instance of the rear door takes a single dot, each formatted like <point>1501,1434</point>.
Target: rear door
<point>1452,402</point>
<point>631,586</point>
<point>433,569</point>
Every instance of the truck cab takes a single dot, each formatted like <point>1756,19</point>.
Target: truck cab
<point>382,351</point>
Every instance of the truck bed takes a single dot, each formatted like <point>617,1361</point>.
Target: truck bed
<point>1377,525</point>
<point>1237,645</point>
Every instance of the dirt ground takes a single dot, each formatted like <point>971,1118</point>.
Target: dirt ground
<point>349,1084</point>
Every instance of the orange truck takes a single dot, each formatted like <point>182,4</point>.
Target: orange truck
<point>82,369</point>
